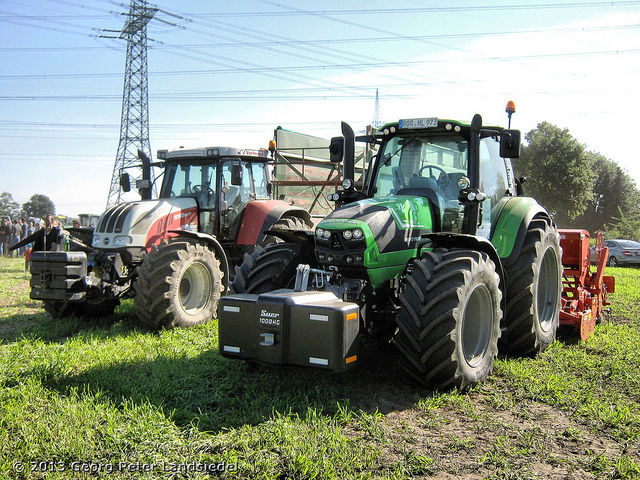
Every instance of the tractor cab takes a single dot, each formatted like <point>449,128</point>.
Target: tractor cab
<point>433,158</point>
<point>221,180</point>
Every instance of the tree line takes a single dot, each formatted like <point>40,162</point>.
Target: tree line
<point>37,207</point>
<point>580,188</point>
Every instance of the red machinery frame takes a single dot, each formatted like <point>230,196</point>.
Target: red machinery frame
<point>584,293</point>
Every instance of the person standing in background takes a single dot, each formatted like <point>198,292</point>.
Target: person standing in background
<point>5,237</point>
<point>15,237</point>
<point>23,234</point>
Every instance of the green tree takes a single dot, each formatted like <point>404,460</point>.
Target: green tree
<point>624,226</point>
<point>557,170</point>
<point>38,206</point>
<point>8,206</point>
<point>615,196</point>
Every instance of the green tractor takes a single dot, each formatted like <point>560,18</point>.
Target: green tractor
<point>438,250</point>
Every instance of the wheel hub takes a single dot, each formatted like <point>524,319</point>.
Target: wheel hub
<point>477,325</point>
<point>195,285</point>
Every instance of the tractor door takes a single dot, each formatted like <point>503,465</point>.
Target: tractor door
<point>241,182</point>
<point>496,181</point>
<point>197,180</point>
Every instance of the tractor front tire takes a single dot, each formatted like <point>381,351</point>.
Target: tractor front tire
<point>271,268</point>
<point>534,289</point>
<point>179,284</point>
<point>98,307</point>
<point>449,323</point>
<point>59,309</point>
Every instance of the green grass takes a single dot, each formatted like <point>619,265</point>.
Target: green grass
<point>107,399</point>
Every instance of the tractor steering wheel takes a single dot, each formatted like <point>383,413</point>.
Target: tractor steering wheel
<point>199,189</point>
<point>442,179</point>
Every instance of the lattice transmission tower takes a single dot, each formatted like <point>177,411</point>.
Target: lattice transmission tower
<point>376,123</point>
<point>134,123</point>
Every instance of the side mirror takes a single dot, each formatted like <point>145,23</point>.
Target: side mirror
<point>336,149</point>
<point>236,174</point>
<point>510,144</point>
<point>125,182</point>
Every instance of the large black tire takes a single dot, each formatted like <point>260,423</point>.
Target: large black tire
<point>179,284</point>
<point>271,268</point>
<point>286,222</point>
<point>92,308</point>
<point>534,289</point>
<point>97,307</point>
<point>60,309</point>
<point>449,323</point>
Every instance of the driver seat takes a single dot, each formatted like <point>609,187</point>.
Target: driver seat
<point>423,182</point>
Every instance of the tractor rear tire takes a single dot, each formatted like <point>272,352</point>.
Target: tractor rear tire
<point>179,284</point>
<point>534,289</point>
<point>286,222</point>
<point>271,268</point>
<point>449,323</point>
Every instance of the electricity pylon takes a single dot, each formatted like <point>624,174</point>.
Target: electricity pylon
<point>377,123</point>
<point>134,123</point>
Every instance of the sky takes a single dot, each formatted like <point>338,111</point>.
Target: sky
<point>228,72</point>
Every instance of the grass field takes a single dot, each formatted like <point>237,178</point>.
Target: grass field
<point>110,399</point>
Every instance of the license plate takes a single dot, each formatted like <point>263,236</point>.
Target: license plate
<point>419,123</point>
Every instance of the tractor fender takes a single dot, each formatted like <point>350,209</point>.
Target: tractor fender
<point>213,245</point>
<point>260,215</point>
<point>511,226</point>
<point>469,242</point>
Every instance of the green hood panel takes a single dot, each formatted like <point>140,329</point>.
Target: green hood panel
<point>393,227</point>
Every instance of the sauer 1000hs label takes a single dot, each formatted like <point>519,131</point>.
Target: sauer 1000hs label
<point>269,319</point>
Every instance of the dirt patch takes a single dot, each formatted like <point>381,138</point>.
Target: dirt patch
<point>477,441</point>
<point>11,329</point>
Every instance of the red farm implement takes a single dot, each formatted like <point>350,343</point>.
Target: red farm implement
<point>585,288</point>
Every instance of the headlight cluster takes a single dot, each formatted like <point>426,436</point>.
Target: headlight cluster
<point>122,240</point>
<point>322,233</point>
<point>119,241</point>
<point>355,234</point>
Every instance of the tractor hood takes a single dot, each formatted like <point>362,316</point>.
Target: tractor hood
<point>395,223</point>
<point>390,230</point>
<point>141,224</point>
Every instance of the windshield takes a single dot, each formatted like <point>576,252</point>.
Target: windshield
<point>422,162</point>
<point>431,165</point>
<point>192,178</point>
<point>188,180</point>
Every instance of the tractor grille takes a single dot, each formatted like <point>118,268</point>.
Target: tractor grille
<point>113,219</point>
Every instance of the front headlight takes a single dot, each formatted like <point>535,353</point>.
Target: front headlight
<point>95,241</point>
<point>122,240</point>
